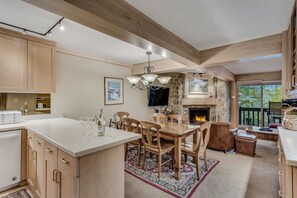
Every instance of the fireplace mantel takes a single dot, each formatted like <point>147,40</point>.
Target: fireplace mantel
<point>199,101</point>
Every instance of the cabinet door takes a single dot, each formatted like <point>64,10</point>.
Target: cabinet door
<point>13,64</point>
<point>68,183</point>
<point>50,172</point>
<point>39,187</point>
<point>31,165</point>
<point>68,180</point>
<point>41,68</point>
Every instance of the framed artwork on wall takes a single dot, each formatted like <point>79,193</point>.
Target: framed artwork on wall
<point>198,86</point>
<point>113,91</point>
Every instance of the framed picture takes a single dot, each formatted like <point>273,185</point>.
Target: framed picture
<point>198,86</point>
<point>113,91</point>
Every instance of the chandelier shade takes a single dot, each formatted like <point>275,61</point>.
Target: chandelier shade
<point>164,79</point>
<point>133,79</point>
<point>148,78</point>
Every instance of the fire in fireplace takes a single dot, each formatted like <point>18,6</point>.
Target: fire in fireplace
<point>197,115</point>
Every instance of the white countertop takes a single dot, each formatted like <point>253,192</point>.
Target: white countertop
<point>289,144</point>
<point>66,134</point>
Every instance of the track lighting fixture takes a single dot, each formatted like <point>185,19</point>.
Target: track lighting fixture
<point>47,33</point>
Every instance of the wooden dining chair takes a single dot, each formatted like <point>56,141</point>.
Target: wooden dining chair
<point>149,131</point>
<point>159,118</point>
<point>176,118</point>
<point>198,150</point>
<point>132,125</point>
<point>117,122</point>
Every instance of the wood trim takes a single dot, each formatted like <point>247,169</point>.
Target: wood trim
<point>24,156</point>
<point>163,65</point>
<point>269,76</point>
<point>122,21</point>
<point>234,107</point>
<point>28,37</point>
<point>90,57</point>
<point>199,101</point>
<point>247,49</point>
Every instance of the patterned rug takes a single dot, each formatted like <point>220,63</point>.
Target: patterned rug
<point>184,187</point>
<point>19,194</point>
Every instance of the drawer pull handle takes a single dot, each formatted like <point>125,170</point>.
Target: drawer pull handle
<point>49,150</point>
<point>55,175</point>
<point>39,143</point>
<point>64,161</point>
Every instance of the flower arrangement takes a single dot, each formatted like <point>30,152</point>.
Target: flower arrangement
<point>166,110</point>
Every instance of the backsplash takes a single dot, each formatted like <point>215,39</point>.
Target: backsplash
<point>16,101</point>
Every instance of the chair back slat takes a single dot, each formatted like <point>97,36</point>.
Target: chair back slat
<point>205,135</point>
<point>131,125</point>
<point>150,131</point>
<point>159,118</point>
<point>118,116</point>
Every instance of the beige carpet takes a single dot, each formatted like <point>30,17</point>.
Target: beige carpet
<point>236,176</point>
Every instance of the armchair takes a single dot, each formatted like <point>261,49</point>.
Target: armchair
<point>221,136</point>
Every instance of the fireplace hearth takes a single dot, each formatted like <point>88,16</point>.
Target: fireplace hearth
<point>198,115</point>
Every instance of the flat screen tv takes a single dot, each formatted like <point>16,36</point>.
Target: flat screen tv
<point>158,97</point>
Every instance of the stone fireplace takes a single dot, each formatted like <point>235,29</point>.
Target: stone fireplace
<point>198,114</point>
<point>217,101</point>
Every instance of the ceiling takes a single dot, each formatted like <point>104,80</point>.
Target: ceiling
<point>203,24</point>
<point>206,24</point>
<point>262,64</point>
<point>76,37</point>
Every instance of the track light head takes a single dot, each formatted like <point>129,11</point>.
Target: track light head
<point>25,32</point>
<point>62,27</point>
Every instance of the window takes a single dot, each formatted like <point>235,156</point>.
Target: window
<point>254,103</point>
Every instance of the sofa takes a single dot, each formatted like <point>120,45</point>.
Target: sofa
<point>221,136</point>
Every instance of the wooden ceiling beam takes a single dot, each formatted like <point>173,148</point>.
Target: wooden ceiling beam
<point>120,20</point>
<point>167,65</point>
<point>253,48</point>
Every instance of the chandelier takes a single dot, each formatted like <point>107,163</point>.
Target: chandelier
<point>148,78</point>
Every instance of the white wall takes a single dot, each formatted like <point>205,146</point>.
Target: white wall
<point>80,89</point>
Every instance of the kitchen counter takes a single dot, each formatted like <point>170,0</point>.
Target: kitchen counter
<point>289,144</point>
<point>66,134</point>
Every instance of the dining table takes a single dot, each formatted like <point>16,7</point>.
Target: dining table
<point>177,133</point>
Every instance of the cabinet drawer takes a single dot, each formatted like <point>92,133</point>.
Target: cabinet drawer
<point>39,144</point>
<point>66,162</point>
<point>30,139</point>
<point>50,152</point>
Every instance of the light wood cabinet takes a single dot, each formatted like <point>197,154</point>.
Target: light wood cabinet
<point>31,161</point>
<point>39,187</point>
<point>287,176</point>
<point>31,166</point>
<point>13,64</point>
<point>61,176</point>
<point>41,67</point>
<point>50,171</point>
<point>60,173</point>
<point>26,65</point>
<point>67,175</point>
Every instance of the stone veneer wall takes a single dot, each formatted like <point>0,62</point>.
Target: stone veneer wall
<point>176,92</point>
<point>218,113</point>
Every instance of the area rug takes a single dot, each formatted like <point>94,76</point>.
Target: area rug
<point>184,187</point>
<point>19,194</point>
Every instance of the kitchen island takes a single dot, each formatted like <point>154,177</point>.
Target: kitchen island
<point>61,162</point>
